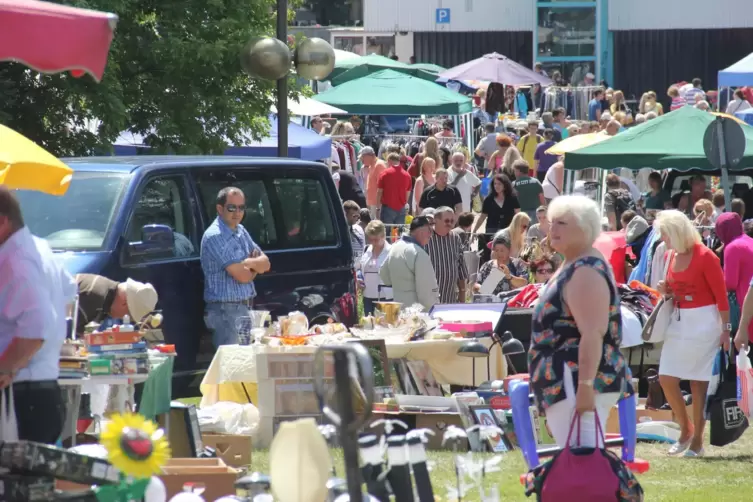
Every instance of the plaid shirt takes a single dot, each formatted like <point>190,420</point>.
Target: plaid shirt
<point>221,247</point>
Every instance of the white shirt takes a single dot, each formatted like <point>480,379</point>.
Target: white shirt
<point>737,105</point>
<point>370,266</point>
<point>34,294</point>
<point>465,186</point>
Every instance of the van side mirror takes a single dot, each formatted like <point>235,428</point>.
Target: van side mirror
<point>156,240</point>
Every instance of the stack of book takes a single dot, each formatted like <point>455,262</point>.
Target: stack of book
<point>74,367</point>
<point>115,352</point>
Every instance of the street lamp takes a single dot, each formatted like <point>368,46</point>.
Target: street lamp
<point>270,58</point>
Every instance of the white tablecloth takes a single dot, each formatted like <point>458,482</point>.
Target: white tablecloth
<point>237,363</point>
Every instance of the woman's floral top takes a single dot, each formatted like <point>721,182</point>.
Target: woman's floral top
<point>517,267</point>
<point>555,340</point>
<point>630,489</point>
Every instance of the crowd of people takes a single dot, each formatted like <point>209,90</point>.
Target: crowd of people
<point>683,245</point>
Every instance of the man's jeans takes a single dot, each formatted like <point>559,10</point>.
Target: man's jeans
<point>391,217</point>
<point>220,318</point>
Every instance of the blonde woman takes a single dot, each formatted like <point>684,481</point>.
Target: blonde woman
<point>516,233</point>
<point>430,151</point>
<point>502,160</point>
<point>428,168</point>
<point>576,325</point>
<point>649,104</point>
<point>371,261</point>
<point>699,325</point>
<point>618,104</point>
<point>343,128</point>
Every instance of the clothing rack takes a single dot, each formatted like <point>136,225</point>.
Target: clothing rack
<point>573,99</point>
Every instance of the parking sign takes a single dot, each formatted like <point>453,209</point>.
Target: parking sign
<point>443,16</point>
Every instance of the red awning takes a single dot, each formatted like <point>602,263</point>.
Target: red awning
<point>52,38</point>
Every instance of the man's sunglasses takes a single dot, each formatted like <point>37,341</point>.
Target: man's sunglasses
<point>545,271</point>
<point>231,208</point>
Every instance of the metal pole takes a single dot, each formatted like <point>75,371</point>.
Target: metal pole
<point>724,164</point>
<point>282,84</point>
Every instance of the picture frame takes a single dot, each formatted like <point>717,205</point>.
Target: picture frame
<point>406,385</point>
<point>484,415</point>
<point>424,379</point>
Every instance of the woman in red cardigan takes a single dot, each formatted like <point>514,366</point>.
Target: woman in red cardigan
<point>699,325</point>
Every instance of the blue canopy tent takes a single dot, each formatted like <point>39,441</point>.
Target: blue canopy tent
<point>739,74</point>
<point>303,144</point>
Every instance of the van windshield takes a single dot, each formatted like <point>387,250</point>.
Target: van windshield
<point>79,220</point>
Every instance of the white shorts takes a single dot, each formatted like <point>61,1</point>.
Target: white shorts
<point>691,344</point>
<point>559,417</point>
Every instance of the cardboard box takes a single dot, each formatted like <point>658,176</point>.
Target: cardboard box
<point>233,449</point>
<point>113,337</point>
<point>642,415</point>
<point>217,479</point>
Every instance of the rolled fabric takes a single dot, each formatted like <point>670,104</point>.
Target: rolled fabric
<point>399,473</point>
<point>371,469</point>
<point>417,457</point>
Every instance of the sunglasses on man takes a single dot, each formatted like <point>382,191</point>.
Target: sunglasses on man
<point>232,208</point>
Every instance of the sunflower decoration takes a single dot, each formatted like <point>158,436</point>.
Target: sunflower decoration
<point>135,445</point>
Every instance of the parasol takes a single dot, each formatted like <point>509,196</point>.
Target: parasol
<point>51,38</point>
<point>26,165</point>
<point>577,142</point>
<point>497,68</point>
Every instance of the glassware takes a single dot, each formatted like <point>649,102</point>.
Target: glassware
<point>244,326</point>
<point>258,334</point>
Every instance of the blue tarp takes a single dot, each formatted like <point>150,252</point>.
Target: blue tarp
<point>303,144</point>
<point>739,74</point>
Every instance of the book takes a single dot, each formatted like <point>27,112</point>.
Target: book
<point>120,347</point>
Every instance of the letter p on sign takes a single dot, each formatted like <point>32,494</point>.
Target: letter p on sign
<point>443,16</point>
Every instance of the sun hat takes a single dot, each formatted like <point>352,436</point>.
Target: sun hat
<point>141,299</point>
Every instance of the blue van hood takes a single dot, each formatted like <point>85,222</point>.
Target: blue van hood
<point>83,262</point>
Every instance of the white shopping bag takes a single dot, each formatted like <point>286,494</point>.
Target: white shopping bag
<point>8,423</point>
<point>745,383</point>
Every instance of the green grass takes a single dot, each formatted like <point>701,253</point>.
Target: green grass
<point>723,475</point>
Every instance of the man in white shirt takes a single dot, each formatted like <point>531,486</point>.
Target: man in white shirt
<point>34,295</point>
<point>463,180</point>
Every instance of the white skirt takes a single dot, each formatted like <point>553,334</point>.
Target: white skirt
<point>691,343</point>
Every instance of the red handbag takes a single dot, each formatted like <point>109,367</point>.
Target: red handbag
<point>580,474</point>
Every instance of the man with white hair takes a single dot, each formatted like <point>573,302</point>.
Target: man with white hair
<point>640,118</point>
<point>651,116</point>
<point>463,179</point>
<point>613,127</point>
<point>703,105</point>
<point>445,249</point>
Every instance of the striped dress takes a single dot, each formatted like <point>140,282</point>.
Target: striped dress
<point>446,253</point>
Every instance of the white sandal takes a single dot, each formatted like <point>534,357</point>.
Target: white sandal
<point>693,454</point>
<point>679,447</point>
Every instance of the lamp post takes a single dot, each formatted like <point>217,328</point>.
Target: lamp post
<point>270,59</point>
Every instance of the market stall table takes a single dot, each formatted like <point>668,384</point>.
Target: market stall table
<point>232,375</point>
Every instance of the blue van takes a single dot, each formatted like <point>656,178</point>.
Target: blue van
<point>143,217</point>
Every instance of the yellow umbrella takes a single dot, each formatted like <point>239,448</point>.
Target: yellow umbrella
<point>574,143</point>
<point>727,115</point>
<point>26,165</point>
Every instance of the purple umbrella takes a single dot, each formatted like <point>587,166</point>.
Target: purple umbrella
<point>495,68</point>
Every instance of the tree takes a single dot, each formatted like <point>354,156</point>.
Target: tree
<point>173,76</point>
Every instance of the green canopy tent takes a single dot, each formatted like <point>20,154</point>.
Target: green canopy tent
<point>389,92</point>
<point>434,68</point>
<point>674,140</point>
<point>352,69</point>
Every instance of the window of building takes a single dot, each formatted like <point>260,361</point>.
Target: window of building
<point>566,31</point>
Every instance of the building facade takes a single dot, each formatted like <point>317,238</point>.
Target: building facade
<point>634,45</point>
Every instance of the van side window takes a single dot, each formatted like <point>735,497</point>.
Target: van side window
<point>281,212</point>
<point>163,202</point>
<point>306,216</point>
